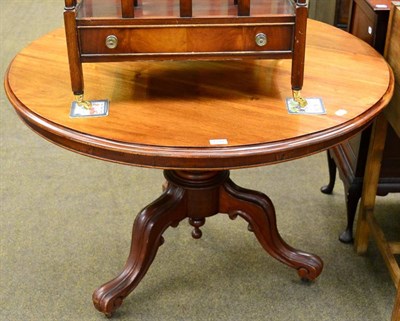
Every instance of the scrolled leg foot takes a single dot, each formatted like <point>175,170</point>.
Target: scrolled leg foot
<point>311,269</point>
<point>257,209</point>
<point>146,238</point>
<point>346,237</point>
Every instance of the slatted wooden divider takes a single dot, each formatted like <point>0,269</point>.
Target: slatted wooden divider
<point>185,8</point>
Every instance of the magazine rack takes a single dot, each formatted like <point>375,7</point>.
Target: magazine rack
<point>126,30</point>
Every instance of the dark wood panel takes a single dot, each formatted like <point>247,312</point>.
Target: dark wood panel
<point>342,13</point>
<point>369,22</point>
<point>362,23</point>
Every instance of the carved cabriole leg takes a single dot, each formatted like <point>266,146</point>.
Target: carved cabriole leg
<point>353,195</point>
<point>327,189</point>
<point>147,232</point>
<point>257,209</point>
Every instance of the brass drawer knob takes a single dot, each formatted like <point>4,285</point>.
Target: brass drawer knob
<point>111,42</point>
<point>261,39</point>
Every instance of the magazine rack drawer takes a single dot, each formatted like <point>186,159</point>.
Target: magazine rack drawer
<point>123,30</point>
<point>213,40</point>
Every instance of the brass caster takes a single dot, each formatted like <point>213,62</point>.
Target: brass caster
<point>82,103</point>
<point>299,99</point>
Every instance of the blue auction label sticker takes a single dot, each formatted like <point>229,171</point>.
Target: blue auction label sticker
<point>98,108</point>
<point>315,106</point>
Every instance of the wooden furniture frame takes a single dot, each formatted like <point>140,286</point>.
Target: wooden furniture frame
<point>370,24</point>
<point>134,30</point>
<point>168,125</point>
<point>342,14</point>
<point>367,223</point>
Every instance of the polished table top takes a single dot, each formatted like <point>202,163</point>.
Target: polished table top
<point>164,114</point>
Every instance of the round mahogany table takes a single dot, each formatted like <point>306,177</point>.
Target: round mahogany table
<point>169,115</point>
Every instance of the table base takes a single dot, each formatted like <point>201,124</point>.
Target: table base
<point>196,195</point>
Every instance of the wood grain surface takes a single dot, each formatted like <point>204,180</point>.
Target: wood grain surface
<point>164,114</point>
